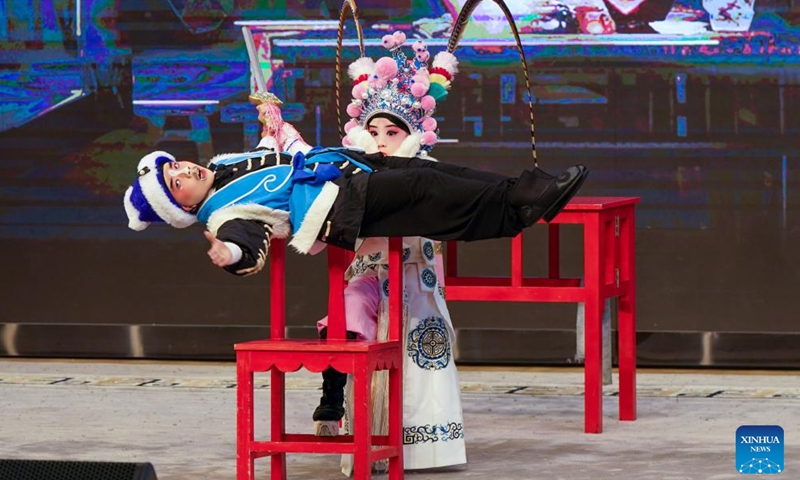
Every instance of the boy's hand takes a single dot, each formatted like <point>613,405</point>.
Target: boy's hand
<point>219,253</point>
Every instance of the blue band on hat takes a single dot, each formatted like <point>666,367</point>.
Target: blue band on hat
<point>139,201</point>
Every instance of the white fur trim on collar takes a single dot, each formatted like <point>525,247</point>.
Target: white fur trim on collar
<point>278,220</point>
<point>305,234</point>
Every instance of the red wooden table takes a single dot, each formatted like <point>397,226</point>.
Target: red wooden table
<point>609,271</point>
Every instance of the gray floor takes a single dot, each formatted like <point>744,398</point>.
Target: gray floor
<point>520,423</point>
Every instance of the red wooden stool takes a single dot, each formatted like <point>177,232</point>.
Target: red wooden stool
<point>609,271</point>
<point>361,358</point>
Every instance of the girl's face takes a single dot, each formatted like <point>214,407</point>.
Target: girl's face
<point>387,135</point>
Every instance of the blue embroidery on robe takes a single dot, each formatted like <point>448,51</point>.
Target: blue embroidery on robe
<point>429,345</point>
<point>385,289</point>
<point>428,277</point>
<point>427,250</point>
<point>432,433</point>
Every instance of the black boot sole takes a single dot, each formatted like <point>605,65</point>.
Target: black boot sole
<point>327,413</point>
<point>566,196</point>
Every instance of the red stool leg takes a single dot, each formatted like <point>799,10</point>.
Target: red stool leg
<point>593,342</point>
<point>396,373</point>
<point>396,420</point>
<point>278,421</point>
<point>245,464</point>
<point>627,323</point>
<point>362,421</point>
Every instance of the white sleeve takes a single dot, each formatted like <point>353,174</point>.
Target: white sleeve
<point>296,145</point>
<point>267,142</point>
<point>293,144</point>
<point>236,252</point>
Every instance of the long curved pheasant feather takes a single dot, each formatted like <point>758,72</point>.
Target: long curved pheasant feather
<point>458,30</point>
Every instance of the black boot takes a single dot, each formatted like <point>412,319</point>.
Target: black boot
<point>331,404</point>
<point>538,194</point>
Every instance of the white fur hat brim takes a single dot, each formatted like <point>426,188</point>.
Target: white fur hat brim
<point>134,223</point>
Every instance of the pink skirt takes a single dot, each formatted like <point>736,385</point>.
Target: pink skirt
<point>361,298</point>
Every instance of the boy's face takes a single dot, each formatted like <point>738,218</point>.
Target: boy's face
<point>188,183</point>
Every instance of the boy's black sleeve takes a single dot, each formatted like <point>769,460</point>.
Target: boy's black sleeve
<point>252,237</point>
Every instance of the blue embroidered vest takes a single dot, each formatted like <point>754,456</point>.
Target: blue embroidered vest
<point>289,188</point>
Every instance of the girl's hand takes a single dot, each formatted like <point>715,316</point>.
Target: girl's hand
<point>270,116</point>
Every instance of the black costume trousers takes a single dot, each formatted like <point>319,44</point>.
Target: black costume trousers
<point>415,197</point>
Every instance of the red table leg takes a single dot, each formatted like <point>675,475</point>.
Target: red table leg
<point>627,320</point>
<point>553,251</point>
<point>594,239</point>
<point>516,261</point>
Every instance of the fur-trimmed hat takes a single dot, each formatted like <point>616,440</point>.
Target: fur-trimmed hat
<point>148,200</point>
<point>406,89</point>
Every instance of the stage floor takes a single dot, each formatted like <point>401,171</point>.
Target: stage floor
<point>520,423</point>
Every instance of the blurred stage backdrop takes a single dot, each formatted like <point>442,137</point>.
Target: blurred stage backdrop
<point>691,105</point>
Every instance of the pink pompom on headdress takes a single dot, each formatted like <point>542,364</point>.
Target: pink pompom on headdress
<point>427,103</point>
<point>403,87</point>
<point>353,110</point>
<point>385,68</point>
<point>429,139</point>
<point>359,90</point>
<point>420,85</point>
<point>420,51</point>
<point>394,40</point>
<point>350,125</point>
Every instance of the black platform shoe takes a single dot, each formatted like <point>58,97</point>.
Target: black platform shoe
<point>539,195</point>
<point>331,405</point>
